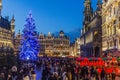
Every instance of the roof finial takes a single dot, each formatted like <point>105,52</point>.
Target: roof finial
<point>98,3</point>
<point>13,18</point>
<point>0,6</point>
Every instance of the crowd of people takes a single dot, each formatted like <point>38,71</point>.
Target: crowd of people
<point>67,69</point>
<point>54,69</point>
<point>15,73</point>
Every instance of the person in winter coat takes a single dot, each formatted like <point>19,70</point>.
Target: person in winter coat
<point>64,76</point>
<point>51,77</point>
<point>33,76</point>
<point>26,78</point>
<point>44,75</point>
<point>55,76</point>
<point>14,72</point>
<point>69,75</point>
<point>102,74</point>
<point>113,75</point>
<point>9,77</point>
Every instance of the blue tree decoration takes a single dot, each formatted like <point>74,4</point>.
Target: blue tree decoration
<point>29,44</point>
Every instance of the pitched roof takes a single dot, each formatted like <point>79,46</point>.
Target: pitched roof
<point>4,23</point>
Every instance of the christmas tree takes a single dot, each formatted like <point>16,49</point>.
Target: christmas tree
<point>29,44</point>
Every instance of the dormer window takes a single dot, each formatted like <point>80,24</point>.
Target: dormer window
<point>61,34</point>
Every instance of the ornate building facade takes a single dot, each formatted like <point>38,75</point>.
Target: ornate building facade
<point>17,40</point>
<point>90,40</point>
<point>6,34</point>
<point>46,44</point>
<point>75,48</point>
<point>50,45</point>
<point>111,26</point>
<point>54,45</point>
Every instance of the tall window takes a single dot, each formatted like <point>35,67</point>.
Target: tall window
<point>119,18</point>
<point>108,45</point>
<point>115,42</point>
<point>114,10</point>
<point>119,41</point>
<point>114,22</point>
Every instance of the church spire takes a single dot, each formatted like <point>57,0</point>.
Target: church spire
<point>13,25</point>
<point>0,6</point>
<point>13,20</point>
<point>98,5</point>
<point>88,11</point>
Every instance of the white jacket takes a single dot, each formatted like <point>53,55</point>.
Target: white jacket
<point>64,76</point>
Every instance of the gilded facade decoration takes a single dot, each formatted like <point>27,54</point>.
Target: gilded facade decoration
<point>54,45</point>
<point>6,34</point>
<point>90,40</point>
<point>110,26</point>
<point>50,45</point>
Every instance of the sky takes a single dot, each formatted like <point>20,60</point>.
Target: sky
<point>49,15</point>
